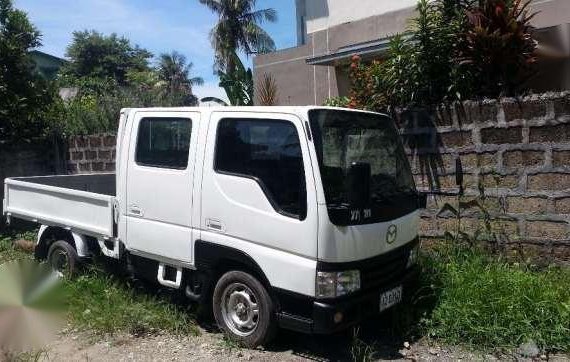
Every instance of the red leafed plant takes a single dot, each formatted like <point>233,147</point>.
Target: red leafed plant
<point>365,78</point>
<point>498,48</point>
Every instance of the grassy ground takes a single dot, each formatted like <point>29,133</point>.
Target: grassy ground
<point>8,251</point>
<point>471,298</point>
<point>104,304</point>
<point>101,303</point>
<point>466,297</point>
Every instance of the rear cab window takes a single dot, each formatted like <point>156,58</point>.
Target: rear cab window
<point>163,142</point>
<point>268,151</point>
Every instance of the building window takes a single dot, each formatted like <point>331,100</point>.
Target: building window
<point>269,152</point>
<point>164,142</point>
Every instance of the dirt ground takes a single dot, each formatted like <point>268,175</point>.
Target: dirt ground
<point>211,346</point>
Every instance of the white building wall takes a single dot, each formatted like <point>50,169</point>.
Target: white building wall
<point>323,14</point>
<point>316,15</point>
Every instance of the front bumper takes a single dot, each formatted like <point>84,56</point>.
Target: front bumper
<point>354,308</point>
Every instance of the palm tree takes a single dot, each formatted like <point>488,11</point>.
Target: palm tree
<point>174,72</point>
<point>238,30</point>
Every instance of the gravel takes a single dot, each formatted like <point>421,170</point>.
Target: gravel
<point>209,346</point>
<point>373,343</point>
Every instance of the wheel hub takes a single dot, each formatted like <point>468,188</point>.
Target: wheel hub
<point>240,309</point>
<point>60,261</point>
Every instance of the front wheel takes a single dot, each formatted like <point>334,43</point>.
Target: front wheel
<point>243,309</point>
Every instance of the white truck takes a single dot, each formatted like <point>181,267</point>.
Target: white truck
<point>303,218</point>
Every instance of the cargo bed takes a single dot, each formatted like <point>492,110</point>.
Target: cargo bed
<point>79,202</point>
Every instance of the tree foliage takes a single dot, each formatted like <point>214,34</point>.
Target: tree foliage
<point>24,96</point>
<point>110,73</point>
<point>174,73</point>
<point>97,56</point>
<point>238,30</point>
<point>105,73</point>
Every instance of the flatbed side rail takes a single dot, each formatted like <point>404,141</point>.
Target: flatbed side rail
<point>87,212</point>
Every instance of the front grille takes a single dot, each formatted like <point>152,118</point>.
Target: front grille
<point>383,269</point>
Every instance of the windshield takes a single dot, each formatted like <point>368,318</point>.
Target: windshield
<point>343,138</point>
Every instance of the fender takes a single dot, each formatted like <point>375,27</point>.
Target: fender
<point>79,241</point>
<point>211,256</point>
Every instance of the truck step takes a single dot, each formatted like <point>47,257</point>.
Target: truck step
<point>161,276</point>
<point>114,252</point>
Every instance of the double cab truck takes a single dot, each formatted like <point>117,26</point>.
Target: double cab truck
<point>302,218</point>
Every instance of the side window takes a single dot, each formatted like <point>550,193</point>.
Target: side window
<point>268,151</point>
<point>163,142</point>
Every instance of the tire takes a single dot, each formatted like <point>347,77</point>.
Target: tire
<point>63,258</point>
<point>236,299</point>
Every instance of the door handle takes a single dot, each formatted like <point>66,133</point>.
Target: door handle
<point>214,224</point>
<point>135,210</point>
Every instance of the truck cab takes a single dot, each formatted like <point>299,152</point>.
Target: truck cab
<point>303,218</point>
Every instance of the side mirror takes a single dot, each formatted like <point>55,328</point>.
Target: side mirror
<point>458,173</point>
<point>359,184</point>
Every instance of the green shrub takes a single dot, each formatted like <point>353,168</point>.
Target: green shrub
<point>420,68</point>
<point>367,85</point>
<point>337,102</point>
<point>485,302</point>
<point>97,106</point>
<point>453,50</point>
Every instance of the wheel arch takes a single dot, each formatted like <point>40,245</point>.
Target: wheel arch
<point>48,234</point>
<point>219,259</point>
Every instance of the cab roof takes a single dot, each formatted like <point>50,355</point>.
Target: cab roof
<point>253,109</point>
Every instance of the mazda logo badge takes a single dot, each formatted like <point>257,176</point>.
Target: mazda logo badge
<point>391,234</point>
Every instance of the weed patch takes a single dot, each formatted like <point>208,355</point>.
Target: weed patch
<point>472,298</point>
<point>103,304</point>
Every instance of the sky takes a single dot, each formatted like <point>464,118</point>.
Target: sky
<point>159,26</point>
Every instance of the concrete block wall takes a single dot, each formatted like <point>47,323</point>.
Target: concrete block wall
<point>518,152</point>
<point>94,153</point>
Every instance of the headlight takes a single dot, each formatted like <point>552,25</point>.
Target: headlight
<point>335,284</point>
<point>413,258</point>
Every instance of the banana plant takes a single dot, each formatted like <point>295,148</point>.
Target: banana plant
<point>238,84</point>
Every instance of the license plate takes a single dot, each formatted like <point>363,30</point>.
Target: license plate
<point>390,298</point>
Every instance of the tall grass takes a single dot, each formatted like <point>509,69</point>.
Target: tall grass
<point>105,305</point>
<point>484,301</point>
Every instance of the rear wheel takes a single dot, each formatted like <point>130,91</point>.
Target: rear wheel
<point>63,258</point>
<point>243,309</point>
